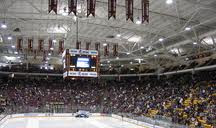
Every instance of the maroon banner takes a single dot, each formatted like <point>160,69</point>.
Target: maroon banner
<point>72,6</point>
<point>129,9</point>
<point>106,50</point>
<point>30,45</point>
<point>50,45</point>
<point>53,5</point>
<point>111,9</point>
<point>40,45</point>
<point>44,55</point>
<point>145,11</point>
<point>115,50</point>
<point>61,46</point>
<point>35,54</point>
<point>97,46</point>
<point>91,7</point>
<point>78,45</point>
<point>88,45</point>
<point>19,44</point>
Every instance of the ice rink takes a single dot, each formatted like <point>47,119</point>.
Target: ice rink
<point>67,122</point>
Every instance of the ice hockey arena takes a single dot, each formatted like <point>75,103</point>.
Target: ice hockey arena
<point>107,63</point>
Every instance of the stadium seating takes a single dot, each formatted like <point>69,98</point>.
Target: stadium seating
<point>185,99</point>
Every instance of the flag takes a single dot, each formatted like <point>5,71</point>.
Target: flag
<point>53,5</point>
<point>72,6</point>
<point>145,11</point>
<point>91,7</point>
<point>129,9</point>
<point>111,9</point>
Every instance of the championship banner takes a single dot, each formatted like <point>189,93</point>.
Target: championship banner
<point>111,9</point>
<point>19,44</point>
<point>115,50</point>
<point>88,45</point>
<point>72,6</point>
<point>97,46</point>
<point>61,46</point>
<point>145,11</point>
<point>50,45</point>
<point>91,7</point>
<point>44,55</point>
<point>78,45</point>
<point>129,9</point>
<point>53,5</point>
<point>30,45</point>
<point>40,45</point>
<point>106,50</point>
<point>35,54</point>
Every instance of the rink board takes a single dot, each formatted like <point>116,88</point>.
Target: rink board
<point>67,120</point>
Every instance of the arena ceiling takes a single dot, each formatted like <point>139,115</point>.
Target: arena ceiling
<point>176,30</point>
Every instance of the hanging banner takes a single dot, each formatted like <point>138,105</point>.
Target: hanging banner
<point>35,54</point>
<point>129,9</point>
<point>50,45</point>
<point>72,6</point>
<point>19,44</point>
<point>88,45</point>
<point>78,45</point>
<point>106,50</point>
<point>40,45</point>
<point>30,45</point>
<point>97,47</point>
<point>61,46</point>
<point>111,9</point>
<point>115,50</point>
<point>53,5</point>
<point>44,55</point>
<point>145,11</point>
<point>91,7</point>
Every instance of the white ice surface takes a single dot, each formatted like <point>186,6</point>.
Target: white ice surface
<point>67,122</point>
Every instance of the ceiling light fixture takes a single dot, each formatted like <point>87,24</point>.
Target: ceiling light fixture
<point>187,29</point>
<point>104,44</point>
<point>51,67</point>
<point>15,52</point>
<point>49,54</point>
<point>64,13</point>
<point>161,39</point>
<point>13,46</point>
<point>128,53</point>
<point>54,41</point>
<point>9,38</point>
<point>118,35</point>
<point>3,25</point>
<point>194,43</point>
<point>138,22</point>
<point>169,1</point>
<point>52,48</point>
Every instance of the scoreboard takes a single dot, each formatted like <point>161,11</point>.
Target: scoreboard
<point>79,63</point>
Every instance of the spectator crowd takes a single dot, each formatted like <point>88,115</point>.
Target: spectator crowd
<point>185,98</point>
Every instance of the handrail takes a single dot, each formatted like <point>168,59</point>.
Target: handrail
<point>118,75</point>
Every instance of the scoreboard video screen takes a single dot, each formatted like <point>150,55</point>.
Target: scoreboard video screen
<point>80,63</point>
<point>83,62</point>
